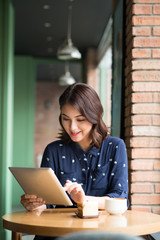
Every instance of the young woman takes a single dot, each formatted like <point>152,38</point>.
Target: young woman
<point>88,162</point>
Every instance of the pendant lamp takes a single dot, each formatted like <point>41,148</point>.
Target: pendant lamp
<point>68,51</point>
<point>66,79</point>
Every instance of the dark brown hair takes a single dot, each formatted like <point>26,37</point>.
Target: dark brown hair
<point>85,99</point>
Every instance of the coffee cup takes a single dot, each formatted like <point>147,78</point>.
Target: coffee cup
<point>115,205</point>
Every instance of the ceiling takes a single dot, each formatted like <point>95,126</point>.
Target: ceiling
<point>41,25</point>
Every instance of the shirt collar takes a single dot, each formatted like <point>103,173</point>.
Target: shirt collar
<point>79,151</point>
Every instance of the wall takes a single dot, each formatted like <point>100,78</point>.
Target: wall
<point>6,108</point>
<point>46,116</point>
<point>24,107</point>
<point>92,72</point>
<point>142,102</point>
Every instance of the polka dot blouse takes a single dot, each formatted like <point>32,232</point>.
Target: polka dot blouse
<point>101,171</point>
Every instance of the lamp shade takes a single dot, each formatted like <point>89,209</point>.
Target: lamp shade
<point>68,51</point>
<point>66,79</point>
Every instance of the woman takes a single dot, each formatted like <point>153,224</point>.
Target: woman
<point>90,164</point>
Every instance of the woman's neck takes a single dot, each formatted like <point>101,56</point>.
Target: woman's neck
<point>85,145</point>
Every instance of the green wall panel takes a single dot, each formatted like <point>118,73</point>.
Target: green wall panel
<point>6,108</point>
<point>24,108</point>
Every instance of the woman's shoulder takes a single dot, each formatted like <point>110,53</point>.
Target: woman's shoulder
<point>114,144</point>
<point>54,144</point>
<point>58,144</point>
<point>110,140</point>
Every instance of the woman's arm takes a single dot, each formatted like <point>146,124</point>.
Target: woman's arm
<point>77,194</point>
<point>117,180</point>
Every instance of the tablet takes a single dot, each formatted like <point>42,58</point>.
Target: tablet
<point>43,183</point>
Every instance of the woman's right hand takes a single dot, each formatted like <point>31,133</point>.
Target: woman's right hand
<point>32,202</point>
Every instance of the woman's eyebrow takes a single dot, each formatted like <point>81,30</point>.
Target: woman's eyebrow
<point>75,116</point>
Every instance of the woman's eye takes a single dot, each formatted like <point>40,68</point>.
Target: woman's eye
<point>65,119</point>
<point>80,120</point>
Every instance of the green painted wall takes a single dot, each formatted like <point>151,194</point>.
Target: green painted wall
<point>6,108</point>
<point>24,108</point>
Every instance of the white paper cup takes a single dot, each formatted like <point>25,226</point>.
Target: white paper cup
<point>116,205</point>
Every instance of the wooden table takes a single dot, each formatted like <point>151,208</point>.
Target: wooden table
<point>58,222</point>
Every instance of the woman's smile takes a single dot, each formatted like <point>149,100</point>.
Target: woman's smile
<point>76,125</point>
<point>74,134</point>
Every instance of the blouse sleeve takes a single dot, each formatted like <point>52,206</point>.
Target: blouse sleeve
<point>47,159</point>
<point>118,177</point>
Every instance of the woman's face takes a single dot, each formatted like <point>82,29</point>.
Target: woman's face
<point>76,125</point>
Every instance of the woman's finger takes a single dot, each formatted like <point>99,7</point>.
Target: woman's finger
<point>31,202</point>
<point>28,196</point>
<point>72,186</point>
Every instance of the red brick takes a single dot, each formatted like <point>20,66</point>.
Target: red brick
<point>148,108</point>
<point>142,9</point>
<point>127,111</point>
<point>156,53</point>
<point>145,142</point>
<point>141,53</point>
<point>145,176</point>
<point>149,131</point>
<point>141,31</point>
<point>146,42</point>
<point>157,187</point>
<point>141,208</point>
<point>156,120</point>
<point>146,20</point>
<point>141,97</point>
<point>146,86</point>
<point>155,209</point>
<point>46,131</point>
<point>141,164</point>
<point>147,96</point>
<point>145,199</point>
<point>146,76</point>
<point>145,153</point>
<point>127,132</point>
<point>146,64</point>
<point>156,97</point>
<point>141,188</point>
<point>156,165</point>
<point>156,31</point>
<point>156,9</point>
<point>140,120</point>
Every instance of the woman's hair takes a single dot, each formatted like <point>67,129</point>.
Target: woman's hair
<point>85,99</point>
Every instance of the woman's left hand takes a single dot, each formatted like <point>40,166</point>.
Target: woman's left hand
<point>75,190</point>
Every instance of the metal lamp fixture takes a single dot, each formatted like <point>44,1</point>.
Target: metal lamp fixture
<point>66,79</point>
<point>68,51</point>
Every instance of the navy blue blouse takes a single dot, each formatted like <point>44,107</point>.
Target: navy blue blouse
<point>101,171</point>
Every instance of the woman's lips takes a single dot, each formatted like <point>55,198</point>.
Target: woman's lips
<point>74,134</point>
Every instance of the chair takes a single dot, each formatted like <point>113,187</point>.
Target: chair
<point>91,235</point>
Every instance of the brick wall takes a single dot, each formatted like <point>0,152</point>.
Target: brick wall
<point>142,102</point>
<point>92,72</point>
<point>46,116</point>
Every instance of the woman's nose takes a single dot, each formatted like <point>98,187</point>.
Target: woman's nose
<point>73,125</point>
